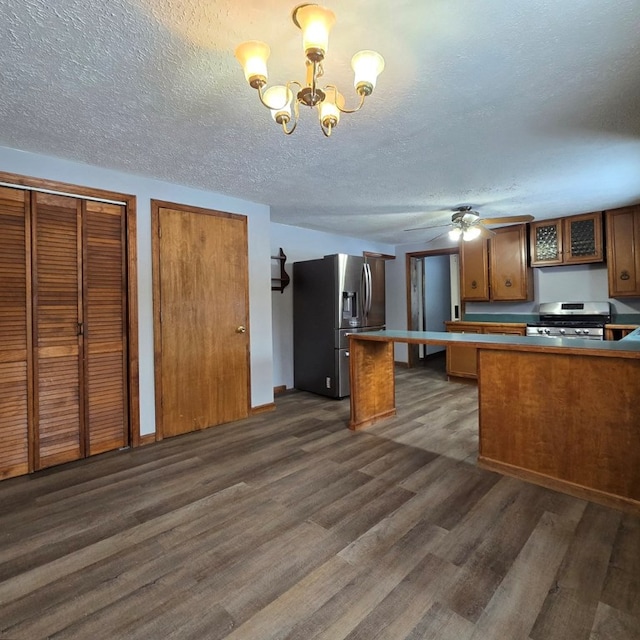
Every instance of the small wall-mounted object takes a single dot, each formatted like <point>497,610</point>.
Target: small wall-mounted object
<point>280,282</point>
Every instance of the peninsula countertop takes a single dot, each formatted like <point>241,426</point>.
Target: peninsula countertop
<point>625,348</point>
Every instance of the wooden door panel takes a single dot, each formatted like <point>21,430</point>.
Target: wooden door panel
<point>57,288</point>
<point>203,285</point>
<point>14,337</point>
<point>474,270</point>
<point>105,327</point>
<point>508,268</point>
<point>623,234</point>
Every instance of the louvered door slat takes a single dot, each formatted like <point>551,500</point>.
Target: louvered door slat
<point>57,286</point>
<point>105,327</point>
<point>14,453</point>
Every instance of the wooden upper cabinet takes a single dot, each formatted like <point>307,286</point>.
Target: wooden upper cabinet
<point>510,276</point>
<point>474,270</point>
<point>496,269</point>
<point>623,251</point>
<point>545,242</point>
<point>571,240</point>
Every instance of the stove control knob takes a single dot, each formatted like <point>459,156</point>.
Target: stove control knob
<point>540,330</point>
<point>586,332</point>
<point>563,331</point>
<point>547,331</point>
<point>578,331</point>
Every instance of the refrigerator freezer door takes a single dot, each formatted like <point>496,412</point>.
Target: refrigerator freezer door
<point>342,366</point>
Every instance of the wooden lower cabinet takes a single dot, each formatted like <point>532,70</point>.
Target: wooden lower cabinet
<point>462,362</point>
<point>618,331</point>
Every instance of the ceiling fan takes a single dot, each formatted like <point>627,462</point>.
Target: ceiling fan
<point>467,223</point>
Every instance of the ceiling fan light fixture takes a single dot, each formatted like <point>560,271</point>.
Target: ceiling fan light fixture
<point>455,234</point>
<point>471,233</point>
<point>315,22</point>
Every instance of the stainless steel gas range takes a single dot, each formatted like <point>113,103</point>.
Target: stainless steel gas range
<point>583,320</point>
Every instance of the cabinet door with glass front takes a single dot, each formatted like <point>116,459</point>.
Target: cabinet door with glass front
<point>583,238</point>
<point>545,237</point>
<point>571,240</point>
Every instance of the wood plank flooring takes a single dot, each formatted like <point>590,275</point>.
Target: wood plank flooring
<point>289,526</point>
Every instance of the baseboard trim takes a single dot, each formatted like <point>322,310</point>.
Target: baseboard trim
<point>622,503</point>
<point>148,438</point>
<point>279,389</point>
<point>263,408</point>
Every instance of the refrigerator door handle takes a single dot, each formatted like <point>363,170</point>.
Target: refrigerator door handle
<point>363,290</point>
<point>369,287</point>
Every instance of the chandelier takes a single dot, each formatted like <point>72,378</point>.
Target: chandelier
<point>315,22</point>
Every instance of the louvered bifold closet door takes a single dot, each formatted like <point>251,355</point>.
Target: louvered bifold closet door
<point>105,327</point>
<point>57,287</point>
<point>14,331</point>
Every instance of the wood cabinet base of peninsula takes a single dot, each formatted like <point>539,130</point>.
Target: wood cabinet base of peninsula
<point>373,397</point>
<point>568,422</point>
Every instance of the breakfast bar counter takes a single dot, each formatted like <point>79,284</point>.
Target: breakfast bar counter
<point>560,413</point>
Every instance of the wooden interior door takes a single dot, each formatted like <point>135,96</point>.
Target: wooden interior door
<point>105,327</point>
<point>15,336</point>
<point>202,323</point>
<point>58,321</point>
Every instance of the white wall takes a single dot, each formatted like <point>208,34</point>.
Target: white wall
<point>145,189</point>
<point>567,283</point>
<point>304,244</point>
<point>437,296</point>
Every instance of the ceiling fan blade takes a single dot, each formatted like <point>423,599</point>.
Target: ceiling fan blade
<point>440,235</point>
<point>506,220</point>
<point>435,226</point>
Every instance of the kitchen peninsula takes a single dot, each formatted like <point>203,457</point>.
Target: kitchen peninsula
<point>564,414</point>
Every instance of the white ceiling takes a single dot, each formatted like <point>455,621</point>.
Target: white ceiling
<point>513,106</point>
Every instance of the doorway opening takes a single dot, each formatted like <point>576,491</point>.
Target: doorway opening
<point>433,297</point>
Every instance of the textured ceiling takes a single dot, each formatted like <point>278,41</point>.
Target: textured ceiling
<point>512,106</point>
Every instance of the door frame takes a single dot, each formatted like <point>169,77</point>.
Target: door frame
<point>131,260</point>
<point>156,205</point>
<point>410,262</point>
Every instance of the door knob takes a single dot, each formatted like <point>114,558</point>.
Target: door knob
<point>241,329</point>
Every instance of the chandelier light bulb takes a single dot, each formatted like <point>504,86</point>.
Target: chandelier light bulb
<point>367,66</point>
<point>278,98</point>
<point>329,109</point>
<point>315,22</point>
<point>253,56</point>
<point>455,234</point>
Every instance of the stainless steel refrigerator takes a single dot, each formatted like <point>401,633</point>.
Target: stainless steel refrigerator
<point>333,296</point>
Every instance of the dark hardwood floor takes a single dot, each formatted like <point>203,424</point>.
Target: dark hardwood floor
<point>289,526</point>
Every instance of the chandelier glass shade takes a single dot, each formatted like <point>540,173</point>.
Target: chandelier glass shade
<point>315,23</point>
